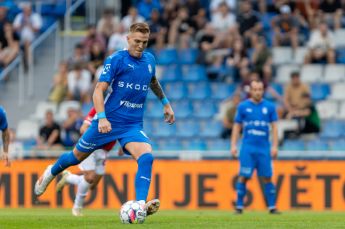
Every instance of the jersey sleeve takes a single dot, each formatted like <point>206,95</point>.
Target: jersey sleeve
<point>239,115</point>
<point>3,120</point>
<point>273,114</point>
<point>153,64</point>
<point>110,68</point>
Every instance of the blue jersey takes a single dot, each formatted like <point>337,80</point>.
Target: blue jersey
<point>3,119</point>
<point>255,119</point>
<point>129,79</point>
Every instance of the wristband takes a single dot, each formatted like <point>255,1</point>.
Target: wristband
<point>165,101</point>
<point>101,115</point>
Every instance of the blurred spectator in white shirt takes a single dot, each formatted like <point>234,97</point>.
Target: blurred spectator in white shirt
<point>223,20</point>
<point>108,24</point>
<point>79,83</point>
<point>117,41</point>
<point>130,18</point>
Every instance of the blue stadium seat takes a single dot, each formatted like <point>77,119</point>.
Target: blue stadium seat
<point>332,129</point>
<point>166,56</point>
<point>151,95</point>
<point>317,145</point>
<point>338,145</point>
<point>218,144</point>
<point>319,91</point>
<point>175,90</point>
<point>194,73</point>
<point>171,73</point>
<point>266,20</point>
<point>277,87</point>
<point>162,130</point>
<point>340,55</point>
<point>198,90</point>
<point>182,109</point>
<point>148,127</point>
<point>47,21</point>
<point>195,144</point>
<point>211,129</point>
<point>170,144</point>
<point>293,145</point>
<point>154,109</point>
<point>187,56</point>
<point>204,109</point>
<point>222,90</point>
<point>187,129</point>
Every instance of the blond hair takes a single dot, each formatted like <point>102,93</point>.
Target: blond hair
<point>140,27</point>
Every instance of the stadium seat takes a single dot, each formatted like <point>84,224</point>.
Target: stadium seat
<point>187,129</point>
<point>341,114</point>
<point>170,144</point>
<point>204,109</point>
<point>312,73</point>
<point>293,145</point>
<point>187,56</point>
<point>282,55</point>
<point>210,129</point>
<point>63,108</point>
<point>154,109</point>
<point>277,87</point>
<point>339,35</point>
<point>194,73</point>
<point>327,109</point>
<point>332,129</point>
<point>334,73</point>
<point>319,91</point>
<point>317,145</point>
<point>337,92</point>
<point>218,144</point>
<point>148,127</point>
<point>222,90</point>
<point>171,73</point>
<point>182,109</point>
<point>284,72</point>
<point>198,90</point>
<point>151,95</point>
<point>338,145</point>
<point>163,130</point>
<point>195,144</point>
<point>175,90</point>
<point>27,129</point>
<point>266,20</point>
<point>42,108</point>
<point>166,56</point>
<point>299,55</point>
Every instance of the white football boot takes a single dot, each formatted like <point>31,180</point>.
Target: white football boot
<point>62,181</point>
<point>152,206</point>
<point>77,212</point>
<point>43,182</point>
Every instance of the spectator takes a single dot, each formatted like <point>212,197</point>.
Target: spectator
<point>49,135</point>
<point>3,20</point>
<point>145,7</point>
<point>117,41</point>
<point>200,19</point>
<point>79,83</point>
<point>158,30</point>
<point>27,24</point>
<point>131,18</point>
<point>229,115</point>
<point>59,89</point>
<point>249,23</point>
<point>108,24</point>
<point>285,28</point>
<point>93,36</point>
<point>262,60</point>
<point>214,4</point>
<point>207,42</point>
<point>193,6</point>
<point>223,19</point>
<point>331,12</point>
<point>308,117</point>
<point>293,93</point>
<point>16,147</point>
<point>96,58</point>
<point>70,127</point>
<point>321,46</point>
<point>78,57</point>
<point>9,48</point>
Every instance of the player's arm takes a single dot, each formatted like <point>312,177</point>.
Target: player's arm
<point>155,86</point>
<point>236,128</point>
<point>104,125</point>
<point>274,150</point>
<point>6,143</point>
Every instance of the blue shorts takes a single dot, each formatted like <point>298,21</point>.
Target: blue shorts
<point>92,139</point>
<point>251,159</point>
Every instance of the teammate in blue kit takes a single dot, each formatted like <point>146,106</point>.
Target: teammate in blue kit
<point>255,116</point>
<point>129,74</point>
<point>5,136</point>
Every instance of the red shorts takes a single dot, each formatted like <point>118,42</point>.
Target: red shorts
<point>109,146</point>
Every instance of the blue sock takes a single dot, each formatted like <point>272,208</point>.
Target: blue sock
<point>64,161</point>
<point>241,192</point>
<point>143,177</point>
<point>270,194</point>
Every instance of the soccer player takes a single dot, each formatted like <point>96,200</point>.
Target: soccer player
<point>255,116</point>
<point>5,136</point>
<point>93,168</point>
<point>129,73</point>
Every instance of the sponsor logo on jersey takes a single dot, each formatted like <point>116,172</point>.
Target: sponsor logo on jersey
<point>264,110</point>
<point>249,110</point>
<point>131,66</point>
<point>131,105</point>
<point>106,69</point>
<point>133,86</point>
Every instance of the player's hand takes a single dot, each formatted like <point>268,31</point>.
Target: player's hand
<point>169,115</point>
<point>84,127</point>
<point>274,152</point>
<point>6,159</point>
<point>104,125</point>
<point>234,152</point>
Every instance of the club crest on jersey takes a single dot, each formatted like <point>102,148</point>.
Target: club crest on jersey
<point>150,68</point>
<point>106,69</point>
<point>264,110</point>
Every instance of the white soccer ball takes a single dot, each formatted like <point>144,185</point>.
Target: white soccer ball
<point>132,212</point>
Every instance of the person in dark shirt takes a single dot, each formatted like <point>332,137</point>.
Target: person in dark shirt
<point>49,135</point>
<point>9,47</point>
<point>330,10</point>
<point>158,30</point>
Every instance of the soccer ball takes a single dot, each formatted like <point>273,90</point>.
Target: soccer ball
<point>132,212</point>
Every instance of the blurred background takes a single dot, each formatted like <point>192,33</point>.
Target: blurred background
<point>207,52</point>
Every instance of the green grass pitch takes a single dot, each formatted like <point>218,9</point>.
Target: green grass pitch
<point>62,218</point>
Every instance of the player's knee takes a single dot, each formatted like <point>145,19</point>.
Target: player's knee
<point>146,159</point>
<point>91,178</point>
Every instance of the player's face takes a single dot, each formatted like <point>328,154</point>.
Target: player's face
<point>256,90</point>
<point>137,42</point>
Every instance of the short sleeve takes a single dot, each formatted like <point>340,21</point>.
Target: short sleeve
<point>109,69</point>
<point>239,115</point>
<point>273,114</point>
<point>3,120</point>
<point>152,64</point>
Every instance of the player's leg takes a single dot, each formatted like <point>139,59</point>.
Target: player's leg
<point>265,170</point>
<point>246,170</point>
